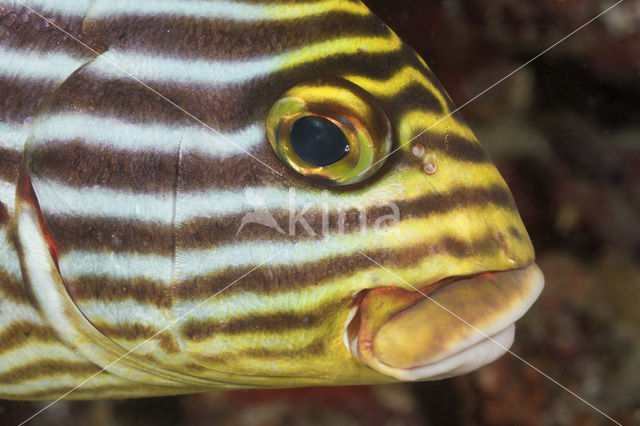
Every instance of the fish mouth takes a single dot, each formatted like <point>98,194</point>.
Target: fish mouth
<point>450,327</point>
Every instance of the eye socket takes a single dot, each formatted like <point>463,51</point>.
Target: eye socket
<point>330,131</point>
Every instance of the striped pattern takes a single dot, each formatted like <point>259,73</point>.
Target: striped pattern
<point>143,204</point>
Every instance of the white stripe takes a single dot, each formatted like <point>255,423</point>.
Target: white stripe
<point>219,203</point>
<point>236,11</point>
<point>11,311</point>
<point>125,312</point>
<point>194,263</point>
<point>156,68</point>
<point>75,264</point>
<point>159,68</point>
<point>238,305</point>
<point>58,199</point>
<point>36,352</point>
<point>122,135</point>
<point>9,261</point>
<point>30,65</point>
<point>8,194</point>
<point>13,135</point>
<point>72,8</point>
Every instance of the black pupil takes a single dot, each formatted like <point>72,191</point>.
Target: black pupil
<point>318,141</point>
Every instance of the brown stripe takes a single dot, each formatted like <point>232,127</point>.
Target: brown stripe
<point>138,331</point>
<point>25,29</point>
<point>47,367</point>
<point>110,235</point>
<point>515,233</point>
<point>211,232</point>
<point>21,98</point>
<point>125,99</point>
<point>455,147</point>
<point>89,288</point>
<point>79,165</point>
<point>314,349</point>
<point>413,96</point>
<point>12,289</point>
<point>198,330</point>
<point>199,171</point>
<point>268,280</point>
<point>4,214</point>
<point>204,172</point>
<point>10,162</point>
<point>20,333</point>
<point>201,38</point>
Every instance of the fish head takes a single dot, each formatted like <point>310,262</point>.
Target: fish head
<point>311,207</point>
<point>400,236</point>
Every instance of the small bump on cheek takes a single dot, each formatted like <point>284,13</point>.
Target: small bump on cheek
<point>417,150</point>
<point>430,164</point>
<point>428,161</point>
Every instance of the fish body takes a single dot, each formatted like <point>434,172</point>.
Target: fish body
<point>166,229</point>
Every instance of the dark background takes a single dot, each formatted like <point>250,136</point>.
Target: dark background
<point>565,133</point>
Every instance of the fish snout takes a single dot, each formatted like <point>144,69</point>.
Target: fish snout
<point>445,329</point>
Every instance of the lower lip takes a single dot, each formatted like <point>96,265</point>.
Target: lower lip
<point>468,359</point>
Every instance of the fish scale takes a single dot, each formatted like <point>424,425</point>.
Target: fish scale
<point>123,254</point>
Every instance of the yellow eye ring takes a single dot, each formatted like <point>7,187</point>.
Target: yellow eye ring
<point>330,131</point>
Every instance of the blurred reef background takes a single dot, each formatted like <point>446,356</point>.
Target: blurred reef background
<point>565,133</point>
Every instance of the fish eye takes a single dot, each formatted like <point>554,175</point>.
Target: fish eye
<point>318,141</point>
<point>329,131</point>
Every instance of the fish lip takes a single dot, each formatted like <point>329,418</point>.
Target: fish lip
<point>426,290</point>
<point>472,353</point>
<point>464,360</point>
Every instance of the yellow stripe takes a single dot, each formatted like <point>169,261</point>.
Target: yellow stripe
<point>416,121</point>
<point>339,46</point>
<point>277,341</point>
<point>98,387</point>
<point>302,10</point>
<point>387,88</point>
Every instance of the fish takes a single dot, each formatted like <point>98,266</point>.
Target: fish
<point>217,194</point>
